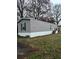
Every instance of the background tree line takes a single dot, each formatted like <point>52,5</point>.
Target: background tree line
<point>39,9</point>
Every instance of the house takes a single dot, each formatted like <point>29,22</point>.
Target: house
<point>32,27</point>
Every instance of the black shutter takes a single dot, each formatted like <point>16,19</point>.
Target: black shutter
<point>24,26</point>
<point>21,27</point>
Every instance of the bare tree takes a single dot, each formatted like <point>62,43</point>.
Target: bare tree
<point>32,8</point>
<point>57,14</point>
<point>22,7</point>
<point>40,7</point>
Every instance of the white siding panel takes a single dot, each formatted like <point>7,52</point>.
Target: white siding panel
<point>24,34</point>
<point>35,34</point>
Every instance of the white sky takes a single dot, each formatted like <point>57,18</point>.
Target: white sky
<point>55,1</point>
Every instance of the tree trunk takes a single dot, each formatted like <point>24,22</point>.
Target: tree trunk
<point>56,29</point>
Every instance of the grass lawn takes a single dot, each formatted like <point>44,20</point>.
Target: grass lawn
<point>49,46</point>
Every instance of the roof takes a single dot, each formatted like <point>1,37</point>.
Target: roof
<point>31,19</point>
<point>23,19</point>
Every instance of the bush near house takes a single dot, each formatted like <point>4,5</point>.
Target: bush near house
<point>49,46</point>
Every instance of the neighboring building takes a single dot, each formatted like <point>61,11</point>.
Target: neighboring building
<point>31,27</point>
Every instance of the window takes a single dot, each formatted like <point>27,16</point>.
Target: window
<point>50,27</point>
<point>23,27</point>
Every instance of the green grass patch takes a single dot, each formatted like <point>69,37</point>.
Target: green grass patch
<point>50,46</point>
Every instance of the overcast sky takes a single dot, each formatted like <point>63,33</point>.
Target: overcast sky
<point>55,1</point>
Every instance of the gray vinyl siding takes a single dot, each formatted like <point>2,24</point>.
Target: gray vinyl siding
<point>27,26</point>
<point>33,25</point>
<point>37,26</point>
